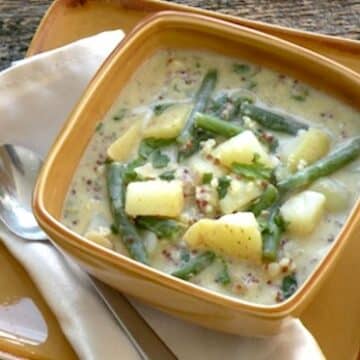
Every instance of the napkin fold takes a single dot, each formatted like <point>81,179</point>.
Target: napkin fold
<point>36,96</point>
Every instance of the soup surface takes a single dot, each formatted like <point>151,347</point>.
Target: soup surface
<point>219,172</point>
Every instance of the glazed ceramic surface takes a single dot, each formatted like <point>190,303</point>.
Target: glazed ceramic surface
<point>171,295</point>
<point>65,23</point>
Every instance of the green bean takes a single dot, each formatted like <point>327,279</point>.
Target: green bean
<point>116,192</point>
<point>267,199</point>
<point>326,166</point>
<point>216,125</point>
<point>271,235</point>
<point>272,120</point>
<point>195,265</point>
<point>187,140</point>
<point>162,228</point>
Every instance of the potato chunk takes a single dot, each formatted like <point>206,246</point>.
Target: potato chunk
<point>312,146</point>
<point>303,211</point>
<point>154,197</point>
<point>239,194</point>
<point>201,166</point>
<point>168,124</point>
<point>336,194</point>
<point>121,148</point>
<point>100,238</point>
<point>235,235</point>
<point>242,149</point>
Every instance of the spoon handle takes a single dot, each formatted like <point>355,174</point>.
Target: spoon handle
<point>143,337</point>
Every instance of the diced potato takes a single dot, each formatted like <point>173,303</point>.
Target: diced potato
<point>337,196</point>
<point>235,235</point>
<point>239,194</point>
<point>121,148</point>
<point>169,124</point>
<point>100,238</point>
<point>242,149</point>
<point>201,166</point>
<point>312,145</point>
<point>303,211</point>
<point>154,197</point>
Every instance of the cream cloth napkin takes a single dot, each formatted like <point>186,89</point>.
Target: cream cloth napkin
<point>36,96</point>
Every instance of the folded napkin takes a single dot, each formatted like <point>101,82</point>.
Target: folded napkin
<point>36,96</point>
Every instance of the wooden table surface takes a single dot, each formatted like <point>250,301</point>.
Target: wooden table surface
<point>19,18</point>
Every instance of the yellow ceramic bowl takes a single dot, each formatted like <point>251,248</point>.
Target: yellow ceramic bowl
<point>172,295</point>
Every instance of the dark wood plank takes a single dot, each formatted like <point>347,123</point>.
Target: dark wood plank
<point>19,18</point>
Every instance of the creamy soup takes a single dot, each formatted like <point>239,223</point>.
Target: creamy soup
<point>219,172</point>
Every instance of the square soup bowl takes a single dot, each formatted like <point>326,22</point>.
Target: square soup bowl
<point>172,295</point>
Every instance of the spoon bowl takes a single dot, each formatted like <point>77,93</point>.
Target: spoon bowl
<point>19,168</point>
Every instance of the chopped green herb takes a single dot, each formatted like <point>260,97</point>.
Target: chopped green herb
<point>120,115</point>
<point>167,175</point>
<point>159,160</point>
<point>241,68</point>
<point>184,255</point>
<point>251,84</point>
<point>160,108</point>
<point>99,126</point>
<point>217,104</point>
<point>289,285</point>
<point>299,92</point>
<point>223,277</point>
<point>129,173</point>
<point>162,228</point>
<point>149,145</point>
<point>253,171</point>
<point>206,178</point>
<point>114,229</point>
<point>222,188</point>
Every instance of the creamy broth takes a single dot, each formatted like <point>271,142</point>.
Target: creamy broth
<point>175,76</point>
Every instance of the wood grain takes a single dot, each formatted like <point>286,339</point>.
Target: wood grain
<point>19,18</point>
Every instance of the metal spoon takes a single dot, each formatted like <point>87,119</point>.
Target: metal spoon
<point>19,168</point>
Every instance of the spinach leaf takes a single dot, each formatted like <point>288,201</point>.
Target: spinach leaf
<point>206,178</point>
<point>114,229</point>
<point>159,160</point>
<point>149,149</point>
<point>167,175</point>
<point>163,228</point>
<point>241,68</point>
<point>129,173</point>
<point>222,188</point>
<point>149,145</point>
<point>253,171</point>
<point>289,285</point>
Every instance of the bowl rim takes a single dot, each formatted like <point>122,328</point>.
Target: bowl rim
<point>50,223</point>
